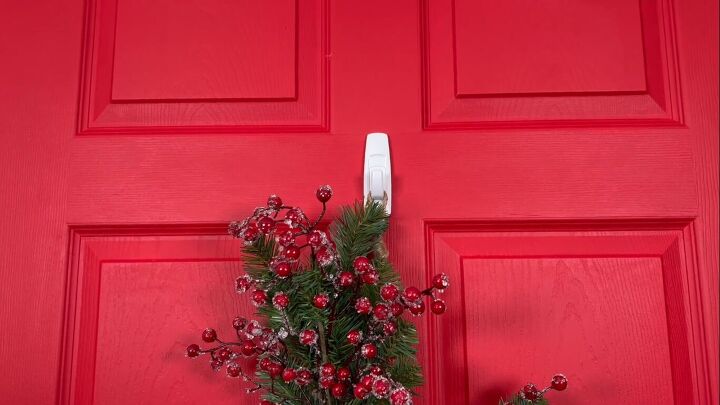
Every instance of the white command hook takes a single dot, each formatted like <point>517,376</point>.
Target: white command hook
<point>378,176</point>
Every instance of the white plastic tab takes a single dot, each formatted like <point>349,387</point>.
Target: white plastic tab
<point>378,175</point>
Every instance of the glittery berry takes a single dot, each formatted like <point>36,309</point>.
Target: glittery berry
<point>396,309</point>
<point>418,308</point>
<point>381,387</point>
<point>259,297</point>
<point>400,396</point>
<point>389,328</point>
<point>283,269</point>
<point>247,348</point>
<point>304,377</point>
<point>209,335</point>
<point>308,337</point>
<point>239,323</point>
<point>193,350</point>
<point>316,238</point>
<point>274,202</point>
<point>441,281</point>
<point>343,373</point>
<point>321,301</point>
<point>265,224</point>
<point>389,292</point>
<point>370,277</point>
<point>345,279</point>
<point>354,337</point>
<point>243,283</point>
<point>361,392</point>
<point>437,307</point>
<point>559,382</point>
<point>291,252</point>
<point>281,300</point>
<point>338,390</point>
<point>368,350</point>
<point>233,370</point>
<point>530,392</point>
<point>363,305</point>
<point>412,294</point>
<point>324,193</point>
<point>289,375</point>
<point>361,264</point>
<point>381,312</point>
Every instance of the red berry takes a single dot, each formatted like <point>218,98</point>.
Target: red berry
<point>381,312</point>
<point>293,215</point>
<point>308,337</point>
<point>361,264</point>
<point>324,193</point>
<point>265,224</point>
<point>376,370</point>
<point>397,309</point>
<point>412,294</point>
<point>389,292</point>
<point>370,277</point>
<point>209,335</point>
<point>321,301</point>
<point>289,375</point>
<point>247,348</point>
<point>326,382</point>
<point>366,381</point>
<point>324,256</point>
<point>264,363</point>
<point>274,202</point>
<point>243,283</point>
<point>400,396</point>
<point>303,377</point>
<point>363,305</point>
<point>417,308</point>
<point>389,328</point>
<point>283,269</point>
<point>315,239</point>
<point>368,351</point>
<point>239,323</point>
<point>338,390</point>
<point>438,306</point>
<point>361,392</point>
<point>285,238</point>
<point>327,370</point>
<point>216,364</point>
<point>559,382</point>
<point>275,369</point>
<point>193,350</point>
<point>233,370</point>
<point>345,279</point>
<point>281,300</point>
<point>224,353</point>
<point>381,387</point>
<point>354,337</point>
<point>343,374</point>
<point>259,297</point>
<point>291,252</point>
<point>530,392</point>
<point>251,233</point>
<point>441,281</point>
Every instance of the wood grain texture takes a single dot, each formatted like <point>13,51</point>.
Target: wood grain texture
<point>563,277</point>
<point>617,68</point>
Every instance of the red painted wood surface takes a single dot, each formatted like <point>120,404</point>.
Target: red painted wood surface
<point>559,161</point>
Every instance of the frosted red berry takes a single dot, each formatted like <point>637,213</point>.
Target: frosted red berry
<point>193,350</point>
<point>370,277</point>
<point>327,370</point>
<point>265,224</point>
<point>338,390</point>
<point>363,305</point>
<point>239,323</point>
<point>209,335</point>
<point>441,281</point>
<point>315,239</point>
<point>389,328</point>
<point>381,312</point>
<point>304,377</point>
<point>233,370</point>
<point>345,279</point>
<point>412,294</point>
<point>321,301</point>
<point>559,382</point>
<point>396,309</point>
<point>354,337</point>
<point>381,387</point>
<point>343,373</point>
<point>389,292</point>
<point>274,202</point>
<point>283,269</point>
<point>259,297</point>
<point>289,375</point>
<point>247,348</point>
<point>361,392</point>
<point>291,252</point>
<point>308,337</point>
<point>418,308</point>
<point>368,351</point>
<point>437,307</point>
<point>530,392</point>
<point>361,264</point>
<point>400,396</point>
<point>224,353</point>
<point>281,300</point>
<point>324,193</point>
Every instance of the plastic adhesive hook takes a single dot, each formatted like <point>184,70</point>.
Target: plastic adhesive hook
<point>378,175</point>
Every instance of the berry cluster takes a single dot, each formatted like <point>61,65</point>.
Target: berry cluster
<point>299,247</point>
<point>532,394</point>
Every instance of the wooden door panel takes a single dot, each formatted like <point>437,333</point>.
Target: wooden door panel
<point>610,301</point>
<point>137,296</point>
<point>210,67</point>
<point>520,64</point>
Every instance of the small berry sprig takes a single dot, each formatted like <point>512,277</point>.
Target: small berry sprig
<point>533,395</point>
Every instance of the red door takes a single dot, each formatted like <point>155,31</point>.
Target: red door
<point>558,159</point>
